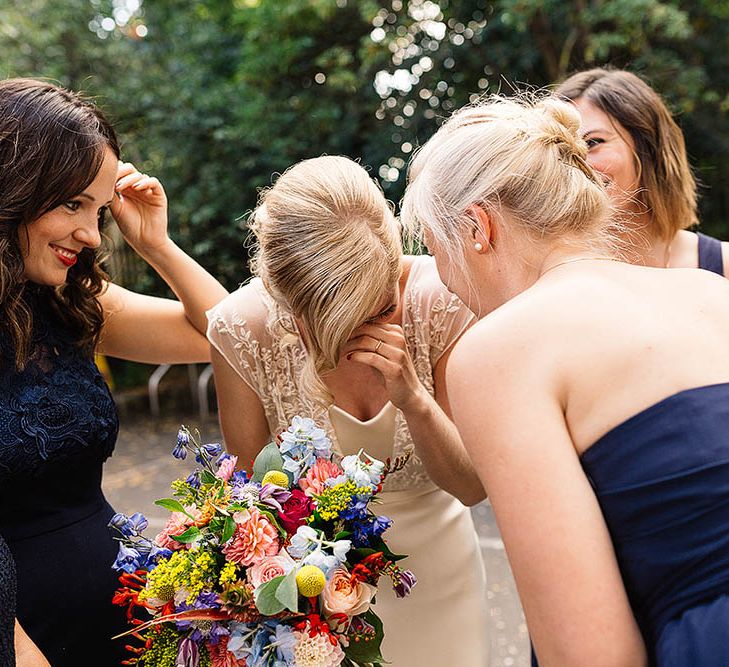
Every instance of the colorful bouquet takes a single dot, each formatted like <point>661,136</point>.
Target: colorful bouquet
<point>279,570</point>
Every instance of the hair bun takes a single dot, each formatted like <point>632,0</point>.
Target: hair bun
<point>561,127</point>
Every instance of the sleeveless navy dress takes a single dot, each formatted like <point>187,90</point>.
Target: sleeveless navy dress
<point>662,481</point>
<point>58,424</point>
<point>7,606</point>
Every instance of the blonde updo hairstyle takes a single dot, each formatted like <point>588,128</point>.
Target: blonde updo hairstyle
<point>524,156</point>
<point>329,251</point>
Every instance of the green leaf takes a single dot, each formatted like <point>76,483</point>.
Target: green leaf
<point>207,477</point>
<point>269,458</point>
<point>265,597</point>
<point>172,505</point>
<point>191,534</point>
<point>288,592</point>
<point>367,650</point>
<point>228,529</point>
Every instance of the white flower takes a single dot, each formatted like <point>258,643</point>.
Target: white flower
<point>341,548</point>
<point>316,651</point>
<point>302,541</point>
<point>363,474</point>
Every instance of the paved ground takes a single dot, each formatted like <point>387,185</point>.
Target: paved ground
<point>141,469</point>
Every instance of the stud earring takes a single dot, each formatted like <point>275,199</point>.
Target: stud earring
<point>477,247</point>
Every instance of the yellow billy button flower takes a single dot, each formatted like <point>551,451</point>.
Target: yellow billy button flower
<point>310,581</point>
<point>276,477</point>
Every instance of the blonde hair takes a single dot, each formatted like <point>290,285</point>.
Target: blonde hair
<point>667,186</point>
<point>521,155</point>
<point>329,251</point>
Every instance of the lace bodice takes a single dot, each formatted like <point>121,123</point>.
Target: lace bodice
<point>259,340</point>
<point>58,424</point>
<point>7,606</point>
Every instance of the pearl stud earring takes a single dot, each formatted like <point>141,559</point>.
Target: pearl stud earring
<point>477,247</point>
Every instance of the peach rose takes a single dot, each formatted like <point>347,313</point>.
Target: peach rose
<point>227,467</point>
<point>343,595</point>
<point>317,475</point>
<point>177,524</point>
<point>254,538</point>
<point>270,568</point>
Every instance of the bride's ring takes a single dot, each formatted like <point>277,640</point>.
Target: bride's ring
<point>377,347</point>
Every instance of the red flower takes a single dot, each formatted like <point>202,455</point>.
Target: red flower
<point>295,511</point>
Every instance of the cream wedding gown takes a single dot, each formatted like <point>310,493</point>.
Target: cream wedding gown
<point>444,620</point>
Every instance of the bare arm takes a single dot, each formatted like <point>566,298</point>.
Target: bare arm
<point>435,436</point>
<point>145,328</point>
<point>242,419</point>
<point>512,423</point>
<point>27,653</point>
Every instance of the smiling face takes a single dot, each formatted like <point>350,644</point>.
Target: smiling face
<point>611,152</point>
<point>51,243</point>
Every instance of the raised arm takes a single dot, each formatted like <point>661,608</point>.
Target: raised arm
<point>508,411</point>
<point>150,329</point>
<point>435,436</point>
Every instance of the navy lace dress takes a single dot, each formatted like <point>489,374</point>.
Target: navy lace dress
<point>7,607</point>
<point>58,424</point>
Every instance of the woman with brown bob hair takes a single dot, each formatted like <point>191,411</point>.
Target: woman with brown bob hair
<point>59,175</point>
<point>639,150</point>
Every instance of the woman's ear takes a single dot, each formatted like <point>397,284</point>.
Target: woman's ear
<point>483,228</point>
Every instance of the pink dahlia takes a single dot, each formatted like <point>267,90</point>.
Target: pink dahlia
<point>254,538</point>
<point>314,482</point>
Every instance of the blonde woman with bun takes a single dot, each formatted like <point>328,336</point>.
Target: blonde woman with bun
<point>593,398</point>
<point>640,153</point>
<point>339,326</point>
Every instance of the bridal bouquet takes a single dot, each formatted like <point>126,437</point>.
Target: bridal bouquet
<point>277,570</point>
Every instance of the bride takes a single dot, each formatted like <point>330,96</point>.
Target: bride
<point>339,326</point>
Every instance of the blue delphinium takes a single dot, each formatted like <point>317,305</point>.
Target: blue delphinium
<point>301,444</point>
<point>128,559</point>
<point>183,442</point>
<point>369,528</point>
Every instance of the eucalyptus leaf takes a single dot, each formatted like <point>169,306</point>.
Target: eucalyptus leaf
<point>265,597</point>
<point>269,458</point>
<point>288,593</point>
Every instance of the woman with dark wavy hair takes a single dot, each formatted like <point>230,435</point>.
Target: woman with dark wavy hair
<point>59,175</point>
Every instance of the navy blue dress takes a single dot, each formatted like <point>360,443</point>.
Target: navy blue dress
<point>7,607</point>
<point>58,424</point>
<point>710,256</point>
<point>662,481</point>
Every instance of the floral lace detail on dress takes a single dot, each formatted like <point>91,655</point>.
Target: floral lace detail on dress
<point>265,349</point>
<point>57,408</point>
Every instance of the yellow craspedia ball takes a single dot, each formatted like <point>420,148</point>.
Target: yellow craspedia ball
<point>310,581</point>
<point>276,477</point>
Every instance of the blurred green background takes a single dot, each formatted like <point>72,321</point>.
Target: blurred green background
<point>215,96</point>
